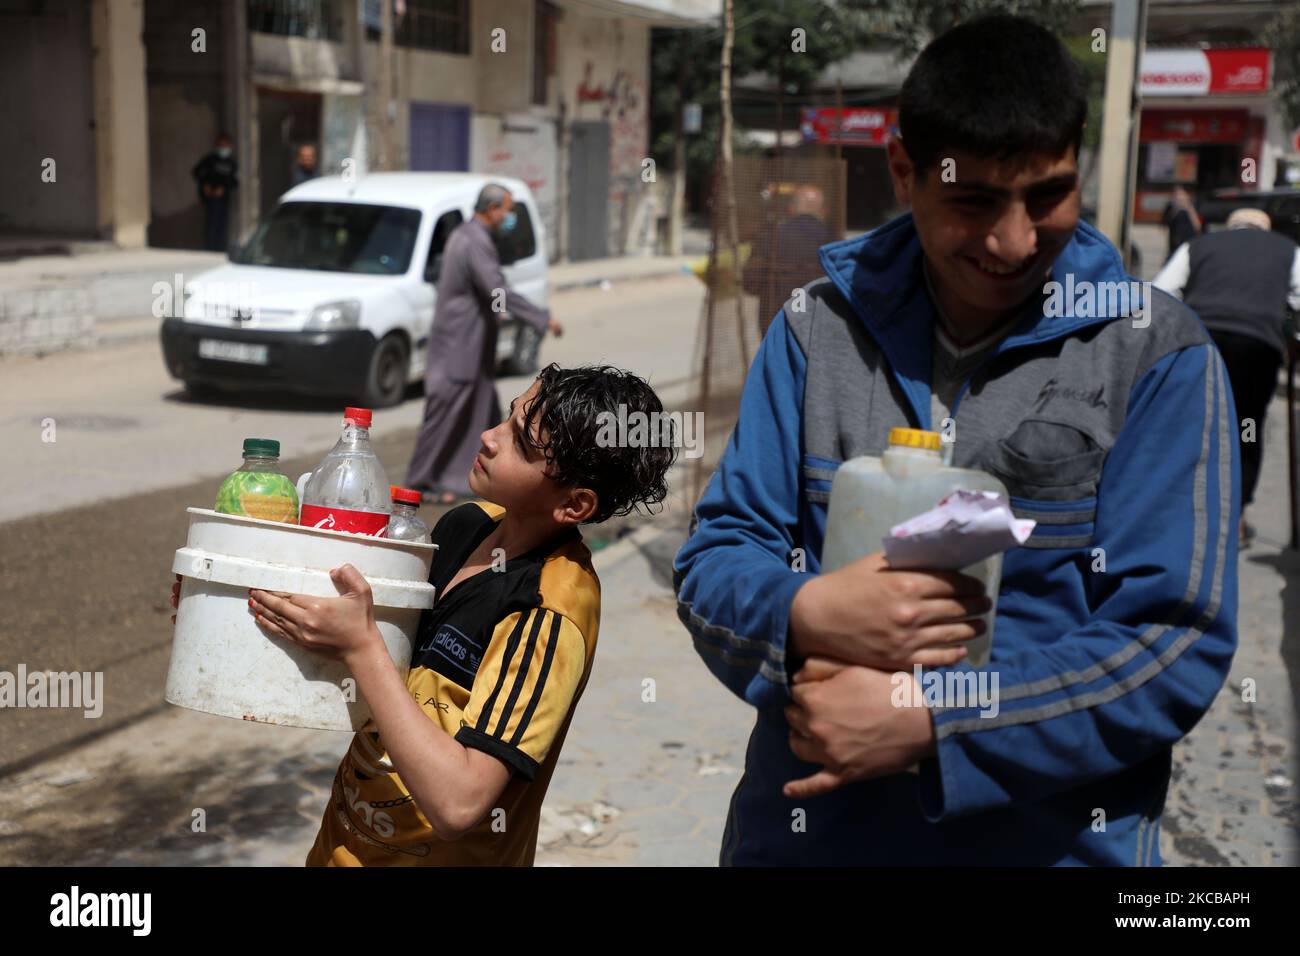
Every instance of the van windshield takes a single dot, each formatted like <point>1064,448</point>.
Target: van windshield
<point>335,237</point>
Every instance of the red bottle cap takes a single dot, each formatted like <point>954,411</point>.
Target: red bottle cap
<point>357,416</point>
<point>405,495</point>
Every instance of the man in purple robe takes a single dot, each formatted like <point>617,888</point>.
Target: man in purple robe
<point>460,393</point>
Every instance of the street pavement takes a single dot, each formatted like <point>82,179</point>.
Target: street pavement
<point>123,426</point>
<point>114,292</point>
<point>640,781</point>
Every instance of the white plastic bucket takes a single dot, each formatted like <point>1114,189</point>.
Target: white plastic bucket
<point>224,663</point>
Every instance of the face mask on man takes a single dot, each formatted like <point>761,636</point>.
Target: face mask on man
<point>224,152</point>
<point>508,223</point>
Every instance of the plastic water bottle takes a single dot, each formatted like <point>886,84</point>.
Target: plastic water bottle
<point>870,495</point>
<point>348,491</point>
<point>405,524</point>
<point>259,489</point>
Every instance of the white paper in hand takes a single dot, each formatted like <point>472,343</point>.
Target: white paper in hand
<point>965,527</point>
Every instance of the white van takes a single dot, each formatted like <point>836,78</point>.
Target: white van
<point>334,293</point>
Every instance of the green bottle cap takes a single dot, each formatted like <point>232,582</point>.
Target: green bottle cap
<point>261,448</point>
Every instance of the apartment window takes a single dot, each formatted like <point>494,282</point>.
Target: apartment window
<point>544,19</point>
<point>313,19</point>
<point>439,25</point>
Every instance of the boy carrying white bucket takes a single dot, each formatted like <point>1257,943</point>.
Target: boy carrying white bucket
<point>454,765</point>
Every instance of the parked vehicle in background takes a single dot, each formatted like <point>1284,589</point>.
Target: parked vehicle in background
<point>1282,206</point>
<point>334,294</point>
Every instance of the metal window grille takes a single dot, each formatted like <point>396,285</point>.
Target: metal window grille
<point>440,25</point>
<point>313,19</point>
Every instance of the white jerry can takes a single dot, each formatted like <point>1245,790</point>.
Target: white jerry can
<point>224,663</point>
<point>870,495</point>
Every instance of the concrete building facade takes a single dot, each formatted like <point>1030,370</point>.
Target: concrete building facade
<point>114,101</point>
<point>74,113</point>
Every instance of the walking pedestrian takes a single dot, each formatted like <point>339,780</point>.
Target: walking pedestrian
<point>460,394</point>
<point>1183,221</point>
<point>1241,281</point>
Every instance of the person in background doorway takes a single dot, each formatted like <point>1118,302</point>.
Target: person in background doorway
<point>1241,281</point>
<point>217,175</point>
<point>304,166</point>
<point>1182,219</point>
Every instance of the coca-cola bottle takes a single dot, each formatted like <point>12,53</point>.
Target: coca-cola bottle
<point>348,491</point>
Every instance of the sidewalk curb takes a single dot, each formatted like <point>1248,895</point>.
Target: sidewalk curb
<point>107,340</point>
<point>566,285</point>
<point>625,547</point>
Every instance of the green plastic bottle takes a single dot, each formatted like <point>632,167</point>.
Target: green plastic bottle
<point>259,489</point>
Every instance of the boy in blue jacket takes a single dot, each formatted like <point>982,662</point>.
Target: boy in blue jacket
<point>991,314</point>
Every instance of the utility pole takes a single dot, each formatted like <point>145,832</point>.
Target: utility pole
<point>729,172</point>
<point>839,115</point>
<point>677,201</point>
<point>1119,131</point>
<point>387,158</point>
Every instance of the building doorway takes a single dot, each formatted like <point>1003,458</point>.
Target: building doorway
<point>589,191</point>
<point>285,120</point>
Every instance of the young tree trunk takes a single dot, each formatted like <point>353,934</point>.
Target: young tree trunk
<point>731,236</point>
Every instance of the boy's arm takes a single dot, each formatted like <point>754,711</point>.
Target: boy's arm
<point>1079,706</point>
<point>734,576</point>
<point>522,695</point>
<point>524,689</point>
<point>453,785</point>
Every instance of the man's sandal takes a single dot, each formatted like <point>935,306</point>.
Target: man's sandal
<point>444,498</point>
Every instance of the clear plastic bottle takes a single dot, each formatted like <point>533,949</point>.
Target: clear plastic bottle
<point>348,491</point>
<point>405,524</point>
<point>259,489</point>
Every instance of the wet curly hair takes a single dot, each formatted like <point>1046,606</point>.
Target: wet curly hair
<point>572,407</point>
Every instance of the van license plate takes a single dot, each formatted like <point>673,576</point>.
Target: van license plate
<point>233,352</point>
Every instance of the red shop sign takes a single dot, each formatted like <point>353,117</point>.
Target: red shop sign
<point>1206,72</point>
<point>1193,126</point>
<point>857,125</point>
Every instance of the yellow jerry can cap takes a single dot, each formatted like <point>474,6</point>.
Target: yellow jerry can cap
<point>914,438</point>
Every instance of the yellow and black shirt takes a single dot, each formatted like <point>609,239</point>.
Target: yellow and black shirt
<point>499,664</point>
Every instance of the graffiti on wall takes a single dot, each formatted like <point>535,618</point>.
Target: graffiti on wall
<point>527,152</point>
<point>622,102</point>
